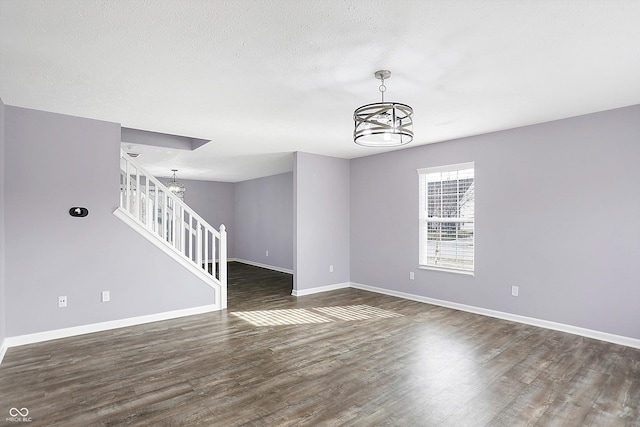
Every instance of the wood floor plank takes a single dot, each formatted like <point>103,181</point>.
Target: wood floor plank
<point>425,366</point>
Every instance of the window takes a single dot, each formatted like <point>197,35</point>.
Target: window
<point>447,199</point>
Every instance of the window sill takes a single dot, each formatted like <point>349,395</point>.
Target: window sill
<point>447,270</point>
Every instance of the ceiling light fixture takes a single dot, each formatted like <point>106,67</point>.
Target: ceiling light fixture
<point>176,187</point>
<point>383,124</point>
<point>132,153</point>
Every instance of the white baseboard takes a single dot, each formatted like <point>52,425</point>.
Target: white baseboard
<point>257,264</point>
<point>3,349</point>
<point>318,289</point>
<point>589,333</point>
<point>103,326</point>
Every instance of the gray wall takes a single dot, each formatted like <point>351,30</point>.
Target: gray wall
<point>264,214</point>
<point>257,213</point>
<point>321,220</point>
<point>557,214</point>
<point>213,201</point>
<point>53,254</point>
<point>2,238</point>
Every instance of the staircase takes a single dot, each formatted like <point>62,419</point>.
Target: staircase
<point>166,221</point>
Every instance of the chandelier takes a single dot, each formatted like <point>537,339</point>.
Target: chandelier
<point>176,187</point>
<point>383,124</point>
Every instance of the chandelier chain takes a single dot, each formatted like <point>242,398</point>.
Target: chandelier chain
<point>382,88</point>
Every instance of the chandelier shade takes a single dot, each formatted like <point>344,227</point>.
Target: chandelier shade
<point>176,187</point>
<point>383,124</point>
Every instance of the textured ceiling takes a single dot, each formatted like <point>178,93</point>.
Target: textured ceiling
<point>262,79</point>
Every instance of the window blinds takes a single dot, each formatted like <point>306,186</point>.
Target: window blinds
<point>447,205</point>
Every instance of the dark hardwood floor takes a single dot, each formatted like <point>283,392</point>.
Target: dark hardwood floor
<point>345,357</point>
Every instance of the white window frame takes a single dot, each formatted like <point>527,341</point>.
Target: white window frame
<point>461,247</point>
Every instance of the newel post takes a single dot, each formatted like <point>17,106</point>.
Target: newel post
<point>223,267</point>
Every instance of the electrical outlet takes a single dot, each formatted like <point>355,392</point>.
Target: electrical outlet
<point>411,275</point>
<point>267,253</point>
<point>331,268</point>
<point>62,301</point>
<point>514,291</point>
<point>106,296</point>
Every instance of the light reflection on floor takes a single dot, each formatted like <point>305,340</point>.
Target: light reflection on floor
<point>299,316</point>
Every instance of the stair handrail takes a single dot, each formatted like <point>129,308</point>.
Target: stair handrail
<point>184,231</point>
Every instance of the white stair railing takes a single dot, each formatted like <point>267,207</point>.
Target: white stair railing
<point>151,205</point>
